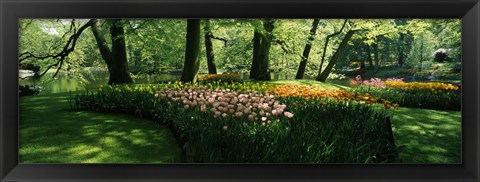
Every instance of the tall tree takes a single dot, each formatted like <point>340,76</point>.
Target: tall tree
<point>261,50</point>
<point>322,76</point>
<point>326,44</point>
<point>257,38</point>
<point>401,42</point>
<point>375,55</point>
<point>306,50</point>
<point>192,63</point>
<point>369,57</point>
<point>212,68</point>
<point>116,59</point>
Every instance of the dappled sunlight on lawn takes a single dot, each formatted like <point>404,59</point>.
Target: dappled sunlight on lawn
<point>428,136</point>
<point>54,134</point>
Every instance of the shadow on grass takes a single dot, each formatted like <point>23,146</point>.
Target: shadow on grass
<point>428,136</point>
<point>51,133</point>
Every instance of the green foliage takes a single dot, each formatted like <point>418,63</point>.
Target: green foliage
<point>422,51</point>
<point>155,43</point>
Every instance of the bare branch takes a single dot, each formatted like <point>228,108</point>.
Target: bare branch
<point>326,44</point>
<point>284,46</point>
<point>60,57</point>
<point>218,38</point>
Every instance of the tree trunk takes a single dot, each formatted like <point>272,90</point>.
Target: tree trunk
<point>401,54</point>
<point>421,52</point>
<point>401,41</point>
<point>256,49</point>
<point>306,51</point>
<point>362,64</point>
<point>261,50</point>
<point>263,54</point>
<point>137,56</point>
<point>326,45</point>
<point>322,77</point>
<point>192,63</point>
<point>119,73</point>
<point>369,57</point>
<point>375,54</point>
<point>116,59</point>
<point>212,68</point>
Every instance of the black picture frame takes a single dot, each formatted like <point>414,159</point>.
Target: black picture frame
<point>467,10</point>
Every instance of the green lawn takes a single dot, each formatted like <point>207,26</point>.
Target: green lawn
<point>427,136</point>
<point>51,133</point>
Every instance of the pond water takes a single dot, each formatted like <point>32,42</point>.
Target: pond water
<point>67,83</point>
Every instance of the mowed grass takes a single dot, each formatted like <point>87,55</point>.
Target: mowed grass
<point>427,136</point>
<point>52,133</point>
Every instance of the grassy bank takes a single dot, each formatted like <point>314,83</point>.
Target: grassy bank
<point>428,136</point>
<point>51,133</point>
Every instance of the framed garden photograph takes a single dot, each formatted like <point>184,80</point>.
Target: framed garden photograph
<point>225,90</point>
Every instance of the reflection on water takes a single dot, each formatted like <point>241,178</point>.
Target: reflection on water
<point>65,83</point>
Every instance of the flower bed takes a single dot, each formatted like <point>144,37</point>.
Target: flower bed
<point>219,77</point>
<point>430,95</point>
<point>243,123</point>
<point>308,92</point>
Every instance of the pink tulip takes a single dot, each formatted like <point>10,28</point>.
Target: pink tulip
<point>288,114</point>
<point>279,110</point>
<point>238,114</point>
<point>262,113</point>
<point>274,112</point>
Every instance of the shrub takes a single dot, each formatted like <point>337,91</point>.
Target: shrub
<point>317,130</point>
<point>442,55</point>
<point>26,90</point>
